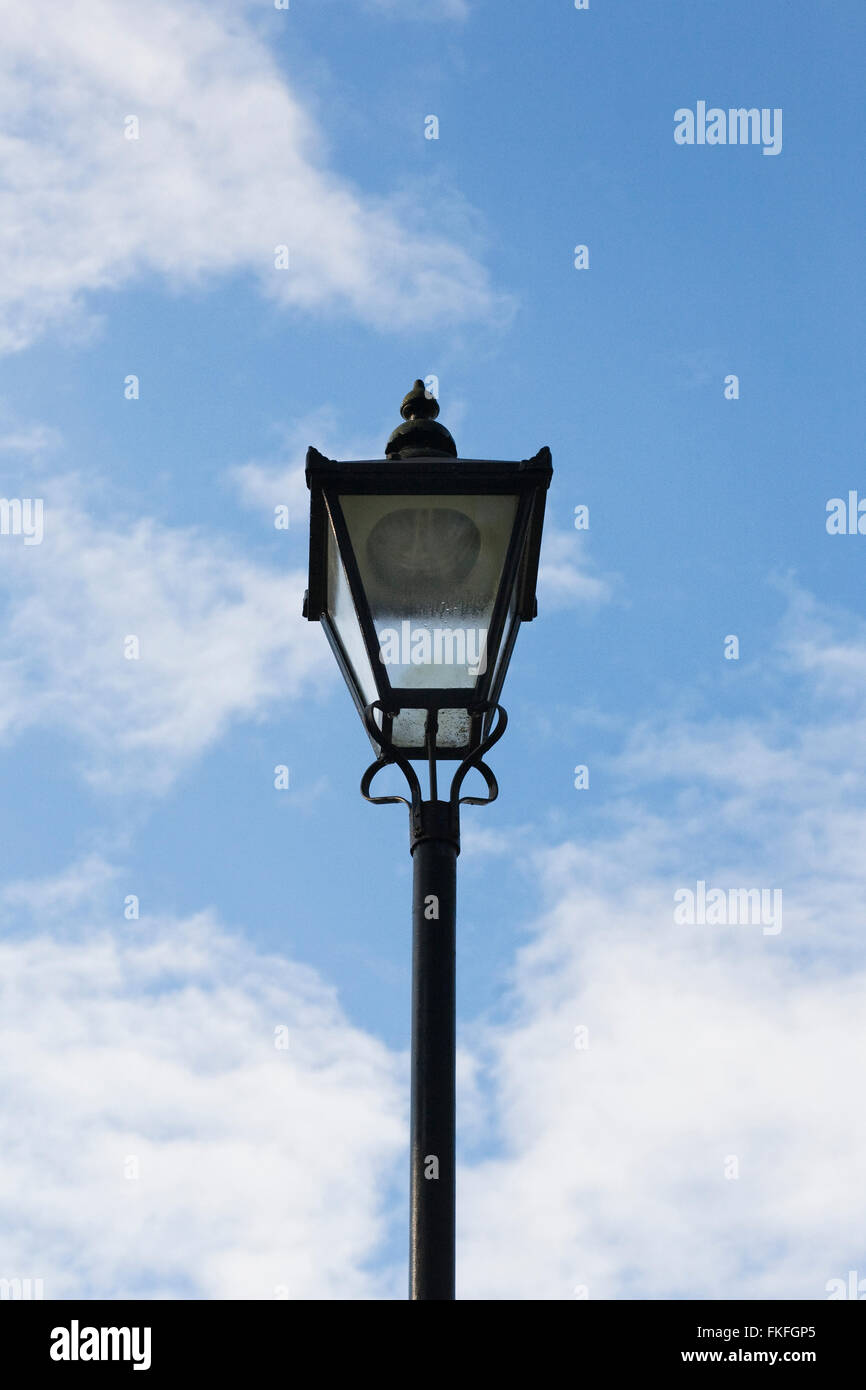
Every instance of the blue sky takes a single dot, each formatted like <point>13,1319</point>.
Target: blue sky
<point>599,1169</point>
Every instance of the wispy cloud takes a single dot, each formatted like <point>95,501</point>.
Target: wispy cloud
<point>142,641</point>
<point>674,1102</point>
<point>565,577</point>
<point>227,167</point>
<point>165,1145</point>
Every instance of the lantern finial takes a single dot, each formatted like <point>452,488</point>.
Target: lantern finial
<point>421,436</point>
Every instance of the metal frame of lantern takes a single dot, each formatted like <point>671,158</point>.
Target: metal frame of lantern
<point>514,603</point>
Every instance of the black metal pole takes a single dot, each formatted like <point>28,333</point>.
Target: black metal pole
<point>435,846</point>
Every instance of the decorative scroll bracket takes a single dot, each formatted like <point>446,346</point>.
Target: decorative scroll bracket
<point>432,819</point>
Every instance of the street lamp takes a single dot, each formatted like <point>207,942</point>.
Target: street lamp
<point>422,568</point>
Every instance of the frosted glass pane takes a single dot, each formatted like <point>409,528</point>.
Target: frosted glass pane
<point>453,731</point>
<point>409,728</point>
<point>345,619</point>
<point>431,567</point>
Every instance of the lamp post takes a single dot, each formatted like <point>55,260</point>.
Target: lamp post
<point>422,568</point>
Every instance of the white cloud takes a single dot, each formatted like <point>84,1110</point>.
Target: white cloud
<point>563,577</point>
<point>613,1172</point>
<point>53,898</point>
<point>33,440</point>
<point>220,637</point>
<point>227,166</point>
<point>264,483</point>
<point>706,1044</point>
<point>258,1168</point>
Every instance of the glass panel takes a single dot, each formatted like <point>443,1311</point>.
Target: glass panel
<point>408,729</point>
<point>454,728</point>
<point>431,568</point>
<point>342,612</point>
